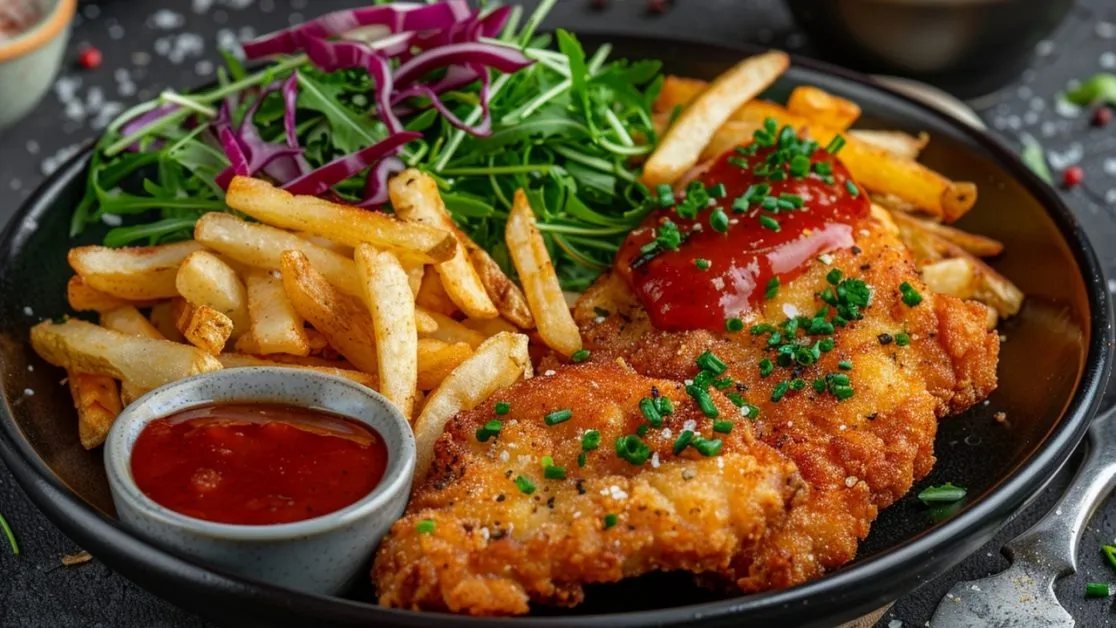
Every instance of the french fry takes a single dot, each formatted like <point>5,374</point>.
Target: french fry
<point>203,279</point>
<point>415,197</point>
<point>343,250</point>
<point>895,142</point>
<point>432,296</point>
<point>83,298</point>
<point>311,360</point>
<point>424,321</point>
<point>415,272</point>
<point>995,290</point>
<point>677,91</point>
<point>679,149</point>
<point>450,330</point>
<point>507,296</point>
<point>275,326</point>
<point>261,245</point>
<point>879,170</point>
<point>981,246</point>
<point>129,320</point>
<point>97,401</point>
<point>204,327</point>
<point>956,277</point>
<point>497,363</point>
<point>437,359</point>
<point>821,107</point>
<point>87,348</point>
<point>315,338</point>
<point>347,225</point>
<point>390,302</point>
<point>342,319</point>
<point>536,270</point>
<point>164,317</point>
<point>134,273</point>
<point>489,326</point>
<point>238,360</point>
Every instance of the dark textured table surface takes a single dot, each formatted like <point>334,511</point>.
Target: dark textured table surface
<point>149,46</point>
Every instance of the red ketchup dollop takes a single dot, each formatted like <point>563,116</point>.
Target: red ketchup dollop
<point>257,463</point>
<point>679,294</point>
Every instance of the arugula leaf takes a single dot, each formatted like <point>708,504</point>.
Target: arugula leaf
<point>1097,89</point>
<point>579,73</point>
<point>350,131</point>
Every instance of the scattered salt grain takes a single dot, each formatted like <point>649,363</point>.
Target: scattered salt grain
<point>851,481</point>
<point>655,460</point>
<point>116,32</point>
<point>1044,48</point>
<point>201,6</point>
<point>1065,108</point>
<point>1112,285</point>
<point>27,311</point>
<point>825,258</point>
<point>1060,160</point>
<point>1110,197</point>
<point>203,67</point>
<point>504,456</point>
<point>790,311</point>
<point>91,11</point>
<point>895,623</point>
<point>690,425</point>
<point>548,372</point>
<point>27,392</point>
<point>1107,60</point>
<point>227,40</point>
<point>30,368</point>
<point>165,20</point>
<point>1110,165</point>
<point>667,433</point>
<point>32,147</point>
<point>112,220</point>
<point>1106,30</point>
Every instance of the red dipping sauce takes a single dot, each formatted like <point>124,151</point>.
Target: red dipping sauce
<point>17,16</point>
<point>257,463</point>
<point>680,295</point>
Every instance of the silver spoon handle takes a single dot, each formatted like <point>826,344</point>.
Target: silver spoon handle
<point>1053,540</point>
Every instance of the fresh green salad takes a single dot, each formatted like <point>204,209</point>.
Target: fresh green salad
<point>476,98</point>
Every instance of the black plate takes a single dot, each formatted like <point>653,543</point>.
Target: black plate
<point>1052,367</point>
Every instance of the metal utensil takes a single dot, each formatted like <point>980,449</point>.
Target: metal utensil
<point>1023,594</point>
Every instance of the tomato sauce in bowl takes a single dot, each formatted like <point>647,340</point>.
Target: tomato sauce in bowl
<point>250,463</point>
<point>16,17</point>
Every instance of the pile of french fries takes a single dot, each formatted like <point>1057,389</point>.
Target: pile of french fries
<point>407,305</point>
<point>710,118</point>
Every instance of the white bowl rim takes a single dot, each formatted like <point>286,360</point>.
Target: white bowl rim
<point>396,478</point>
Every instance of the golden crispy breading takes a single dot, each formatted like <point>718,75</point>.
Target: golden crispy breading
<point>495,548</point>
<point>789,499</point>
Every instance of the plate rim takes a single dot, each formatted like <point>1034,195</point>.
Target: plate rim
<point>842,589</point>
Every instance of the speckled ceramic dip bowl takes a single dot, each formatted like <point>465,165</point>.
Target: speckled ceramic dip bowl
<point>319,555</point>
<point>30,60</point>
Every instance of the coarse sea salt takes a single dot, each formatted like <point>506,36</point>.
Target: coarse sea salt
<point>165,20</point>
<point>27,311</point>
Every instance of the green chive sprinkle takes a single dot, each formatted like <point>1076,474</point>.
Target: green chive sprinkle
<point>772,289</point>
<point>666,195</point>
<point>944,494</point>
<point>426,526</point>
<point>851,187</point>
<point>9,535</point>
<point>799,166</point>
<point>554,473</point>
<point>590,440</point>
<point>819,385</point>
<point>708,447</point>
<point>580,355</point>
<point>702,263</point>
<point>769,223</point>
<point>834,276</point>
<point>1097,589</point>
<point>797,384</point>
<point>489,430</point>
<point>558,416</point>
<point>835,145</point>
<point>734,324</point>
<point>710,362</point>
<point>582,459</point>
<point>762,328</point>
<point>765,367</point>
<point>740,204</point>
<point>1110,554</point>
<point>642,430</point>
<point>845,365</point>
<point>632,449</point>
<point>684,439</point>
<point>610,520</point>
<point>736,398</point>
<point>502,408</point>
<point>825,345</point>
<point>750,412</point>
<point>665,406</point>
<point>650,411</point>
<point>823,168</point>
<point>793,199</point>
<point>911,297</point>
<point>719,221</point>
<point>779,391</point>
<point>525,485</point>
<point>717,191</point>
<point>724,427</point>
<point>902,339</point>
<point>701,396</point>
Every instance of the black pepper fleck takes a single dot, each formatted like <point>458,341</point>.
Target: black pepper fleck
<point>885,339</point>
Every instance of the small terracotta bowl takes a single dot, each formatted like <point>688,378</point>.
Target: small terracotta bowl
<point>319,555</point>
<point>30,61</point>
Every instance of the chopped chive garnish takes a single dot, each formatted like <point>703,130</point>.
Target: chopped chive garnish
<point>642,430</point>
<point>554,473</point>
<point>580,355</point>
<point>911,297</point>
<point>838,378</point>
<point>665,406</point>
<point>797,384</point>
<point>502,408</point>
<point>1109,552</point>
<point>738,162</point>
<point>762,328</point>
<point>765,367</point>
<point>610,520</point>
<point>749,411</point>
<point>772,289</point>
<point>736,398</point>
<point>666,195</point>
<point>819,385</point>
<point>779,391</point>
<point>1098,589</point>
<point>650,411</point>
<point>740,204</point>
<point>707,446</point>
<point>793,199</point>
<point>425,526</point>
<point>769,223</point>
<point>684,439</point>
<point>489,430</point>
<point>799,166</point>
<point>823,168</point>
<point>845,365</point>
<point>719,221</point>
<point>902,339</point>
<point>558,416</point>
<point>853,190</point>
<point>835,145</point>
<point>943,494</point>
<point>770,203</point>
<point>702,263</point>
<point>710,362</point>
<point>724,427</point>
<point>723,383</point>
<point>734,324</point>
<point>590,440</point>
<point>717,191</point>
<point>632,449</point>
<point>525,485</point>
<point>582,459</point>
<point>834,276</point>
<point>701,396</point>
<point>825,345</point>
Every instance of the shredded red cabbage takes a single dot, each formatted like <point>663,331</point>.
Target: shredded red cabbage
<point>375,186</point>
<point>320,180</point>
